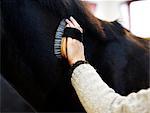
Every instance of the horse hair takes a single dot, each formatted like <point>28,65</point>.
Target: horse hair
<point>77,9</point>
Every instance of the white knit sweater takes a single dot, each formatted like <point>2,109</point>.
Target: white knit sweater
<point>97,97</point>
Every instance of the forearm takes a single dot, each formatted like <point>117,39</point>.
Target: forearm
<point>91,90</point>
<point>97,97</point>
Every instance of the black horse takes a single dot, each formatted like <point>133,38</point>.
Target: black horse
<point>28,62</point>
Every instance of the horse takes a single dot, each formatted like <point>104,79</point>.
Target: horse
<point>28,60</point>
<point>9,94</point>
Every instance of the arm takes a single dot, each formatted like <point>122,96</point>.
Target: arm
<point>97,97</point>
<point>93,92</point>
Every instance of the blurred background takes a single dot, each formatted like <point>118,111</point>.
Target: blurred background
<point>134,15</point>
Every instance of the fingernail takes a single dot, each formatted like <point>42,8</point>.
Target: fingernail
<point>66,19</point>
<point>71,17</point>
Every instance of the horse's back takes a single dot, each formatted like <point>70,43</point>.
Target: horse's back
<point>127,59</point>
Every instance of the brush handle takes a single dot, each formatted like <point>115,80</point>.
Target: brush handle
<point>73,33</point>
<point>64,47</point>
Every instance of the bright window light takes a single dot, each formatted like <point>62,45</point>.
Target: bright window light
<point>140,18</point>
<point>124,18</point>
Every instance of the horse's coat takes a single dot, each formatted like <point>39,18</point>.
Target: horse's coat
<point>28,62</point>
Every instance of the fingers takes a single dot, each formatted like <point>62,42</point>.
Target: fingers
<point>73,24</point>
<point>67,25</point>
<point>70,23</point>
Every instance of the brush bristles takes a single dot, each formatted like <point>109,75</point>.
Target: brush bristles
<point>58,38</point>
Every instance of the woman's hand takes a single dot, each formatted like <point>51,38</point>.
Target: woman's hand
<point>75,49</point>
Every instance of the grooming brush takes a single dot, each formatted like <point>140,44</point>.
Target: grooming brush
<point>58,38</point>
<point>61,38</point>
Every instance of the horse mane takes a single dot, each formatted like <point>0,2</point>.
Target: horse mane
<point>92,26</point>
<point>114,30</point>
<point>77,9</point>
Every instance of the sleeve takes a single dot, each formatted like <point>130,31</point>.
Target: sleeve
<point>96,96</point>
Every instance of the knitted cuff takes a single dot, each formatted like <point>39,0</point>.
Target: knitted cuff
<point>73,66</point>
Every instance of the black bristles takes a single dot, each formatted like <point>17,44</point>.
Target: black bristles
<point>58,38</point>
